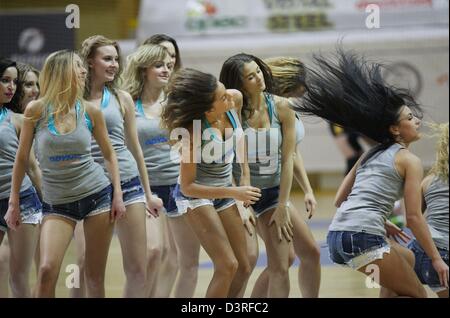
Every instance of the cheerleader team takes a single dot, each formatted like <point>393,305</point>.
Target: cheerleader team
<point>173,159</point>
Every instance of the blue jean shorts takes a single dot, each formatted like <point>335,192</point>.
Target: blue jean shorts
<point>185,203</point>
<point>132,191</point>
<point>165,193</point>
<point>356,249</point>
<point>268,200</point>
<point>96,203</point>
<point>30,208</point>
<point>424,268</point>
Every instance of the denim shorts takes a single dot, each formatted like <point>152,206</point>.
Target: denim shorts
<point>165,193</point>
<point>184,203</point>
<point>132,191</point>
<point>424,268</point>
<point>356,249</point>
<point>268,200</point>
<point>96,203</point>
<point>30,208</point>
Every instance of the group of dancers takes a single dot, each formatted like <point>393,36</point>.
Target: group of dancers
<point>173,159</point>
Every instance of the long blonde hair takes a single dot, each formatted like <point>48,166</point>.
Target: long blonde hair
<point>440,166</point>
<point>133,78</point>
<point>60,84</point>
<point>88,50</point>
<point>288,74</point>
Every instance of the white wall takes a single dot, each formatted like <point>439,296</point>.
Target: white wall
<point>425,50</point>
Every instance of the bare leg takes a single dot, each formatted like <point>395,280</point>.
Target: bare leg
<point>261,288</point>
<point>4,267</point>
<point>22,244</point>
<point>153,253</point>
<point>235,230</point>
<point>80,248</point>
<point>397,275</point>
<point>188,250</point>
<point>277,257</point>
<point>252,252</point>
<point>37,256</point>
<point>169,264</point>
<point>98,231</point>
<point>56,234</point>
<point>132,236</point>
<point>308,251</point>
<point>443,294</point>
<point>208,227</point>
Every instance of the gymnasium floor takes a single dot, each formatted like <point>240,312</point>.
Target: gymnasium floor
<point>336,281</point>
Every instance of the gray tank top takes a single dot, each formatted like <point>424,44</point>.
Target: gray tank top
<point>436,198</point>
<point>299,130</point>
<point>9,143</point>
<point>69,172</point>
<point>299,127</point>
<point>161,160</point>
<point>116,131</point>
<point>264,151</point>
<point>377,186</point>
<point>215,167</point>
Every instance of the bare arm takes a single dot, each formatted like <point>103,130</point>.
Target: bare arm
<point>346,186</point>
<point>303,180</point>
<point>21,163</point>
<point>133,145</point>
<point>241,147</point>
<point>411,167</point>
<point>100,134</point>
<point>34,172</point>
<point>132,140</point>
<point>424,186</point>
<point>188,172</point>
<point>287,119</point>
<point>281,215</point>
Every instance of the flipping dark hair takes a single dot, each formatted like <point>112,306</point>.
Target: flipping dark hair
<point>190,95</point>
<point>4,64</point>
<point>231,75</point>
<point>346,89</point>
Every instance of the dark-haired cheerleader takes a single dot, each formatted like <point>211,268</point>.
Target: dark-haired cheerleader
<point>349,91</point>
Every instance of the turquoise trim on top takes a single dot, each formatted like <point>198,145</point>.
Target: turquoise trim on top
<point>139,107</point>
<point>51,120</point>
<point>269,102</point>
<point>105,98</point>
<point>3,112</point>
<point>232,120</point>
<point>88,121</point>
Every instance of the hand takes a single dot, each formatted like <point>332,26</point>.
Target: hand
<point>247,194</point>
<point>310,204</point>
<point>282,220</point>
<point>153,205</point>
<point>396,233</point>
<point>442,269</point>
<point>247,218</point>
<point>12,216</point>
<point>245,181</point>
<point>117,208</point>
